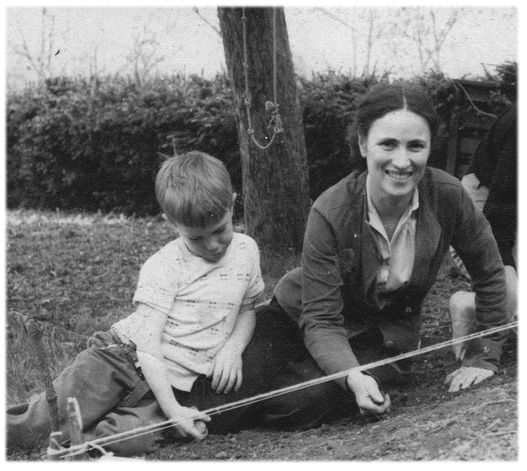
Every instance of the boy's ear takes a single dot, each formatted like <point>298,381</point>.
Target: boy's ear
<point>234,195</point>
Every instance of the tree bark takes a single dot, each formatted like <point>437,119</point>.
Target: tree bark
<point>275,181</point>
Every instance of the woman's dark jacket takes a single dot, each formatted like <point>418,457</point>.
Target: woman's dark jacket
<point>333,295</point>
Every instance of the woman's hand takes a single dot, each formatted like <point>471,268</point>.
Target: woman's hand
<point>227,369</point>
<point>368,396</point>
<point>190,422</point>
<point>466,376</point>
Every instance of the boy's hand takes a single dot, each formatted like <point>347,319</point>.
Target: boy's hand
<point>227,370</point>
<point>189,422</point>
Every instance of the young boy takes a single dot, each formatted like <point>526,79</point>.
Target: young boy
<point>195,315</point>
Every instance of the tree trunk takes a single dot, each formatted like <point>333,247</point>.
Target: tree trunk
<point>275,180</point>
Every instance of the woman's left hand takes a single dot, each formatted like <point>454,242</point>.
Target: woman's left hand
<point>466,376</point>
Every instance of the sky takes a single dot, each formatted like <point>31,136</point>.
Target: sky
<point>322,37</point>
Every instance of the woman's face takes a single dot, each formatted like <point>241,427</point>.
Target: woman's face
<point>396,150</point>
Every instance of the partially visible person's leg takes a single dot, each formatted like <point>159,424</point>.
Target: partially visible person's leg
<point>511,278</point>
<point>462,307</point>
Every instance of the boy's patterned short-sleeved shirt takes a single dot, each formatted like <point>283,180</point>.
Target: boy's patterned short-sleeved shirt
<point>201,300</point>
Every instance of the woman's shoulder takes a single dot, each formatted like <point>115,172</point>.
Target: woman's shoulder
<point>442,190</point>
<point>441,180</point>
<point>342,192</point>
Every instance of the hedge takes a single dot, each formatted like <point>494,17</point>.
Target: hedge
<point>96,144</point>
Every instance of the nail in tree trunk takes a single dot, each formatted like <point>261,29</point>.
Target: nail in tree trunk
<point>275,180</point>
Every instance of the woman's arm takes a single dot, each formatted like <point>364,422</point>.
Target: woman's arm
<point>474,241</point>
<point>321,320</point>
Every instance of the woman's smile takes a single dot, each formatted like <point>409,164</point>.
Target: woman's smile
<point>399,176</point>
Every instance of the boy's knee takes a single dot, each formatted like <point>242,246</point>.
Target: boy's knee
<point>135,444</point>
<point>132,420</point>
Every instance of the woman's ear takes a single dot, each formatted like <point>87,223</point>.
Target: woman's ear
<point>362,145</point>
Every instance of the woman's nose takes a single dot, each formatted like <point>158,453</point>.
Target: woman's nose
<point>401,159</point>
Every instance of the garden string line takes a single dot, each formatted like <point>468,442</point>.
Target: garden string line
<point>134,433</point>
<point>269,106</point>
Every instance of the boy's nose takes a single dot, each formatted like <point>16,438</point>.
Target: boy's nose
<point>212,245</point>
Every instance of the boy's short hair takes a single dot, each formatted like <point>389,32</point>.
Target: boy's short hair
<point>194,189</point>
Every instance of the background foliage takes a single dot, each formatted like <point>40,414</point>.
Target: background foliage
<point>79,144</point>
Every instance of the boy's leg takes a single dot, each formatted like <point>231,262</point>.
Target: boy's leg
<point>98,378</point>
<point>129,419</point>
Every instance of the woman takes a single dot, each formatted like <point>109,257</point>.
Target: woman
<point>373,246</point>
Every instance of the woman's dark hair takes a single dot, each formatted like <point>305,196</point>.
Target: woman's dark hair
<point>383,99</point>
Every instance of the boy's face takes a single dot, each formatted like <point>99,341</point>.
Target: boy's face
<point>209,242</point>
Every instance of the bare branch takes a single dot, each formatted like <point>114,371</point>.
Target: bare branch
<point>216,29</point>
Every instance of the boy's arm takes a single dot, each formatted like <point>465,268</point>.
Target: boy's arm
<point>227,369</point>
<point>150,359</point>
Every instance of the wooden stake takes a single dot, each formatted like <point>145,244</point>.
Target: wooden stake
<point>75,426</point>
<point>34,329</point>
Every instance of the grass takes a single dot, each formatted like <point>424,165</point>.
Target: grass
<point>78,273</point>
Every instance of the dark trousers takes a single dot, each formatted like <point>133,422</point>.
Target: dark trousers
<point>293,364</point>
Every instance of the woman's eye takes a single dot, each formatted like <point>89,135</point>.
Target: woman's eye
<point>416,146</point>
<point>388,145</point>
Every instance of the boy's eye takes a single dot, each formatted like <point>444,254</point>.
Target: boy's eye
<point>220,230</point>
